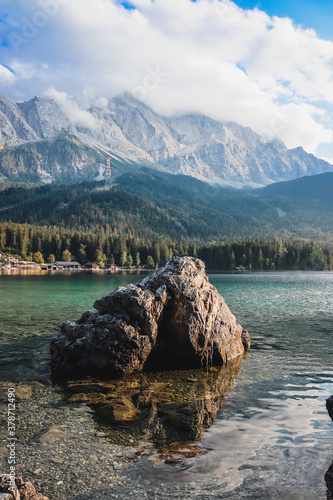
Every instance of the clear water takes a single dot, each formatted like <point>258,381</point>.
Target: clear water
<point>271,439</point>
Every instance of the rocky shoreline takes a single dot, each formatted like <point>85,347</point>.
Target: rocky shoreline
<point>61,449</point>
<point>17,489</point>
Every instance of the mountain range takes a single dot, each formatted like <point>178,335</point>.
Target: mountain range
<point>38,143</point>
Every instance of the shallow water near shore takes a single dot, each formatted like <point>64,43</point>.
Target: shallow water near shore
<point>262,419</point>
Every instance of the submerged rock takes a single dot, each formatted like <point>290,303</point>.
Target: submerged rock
<point>177,451</point>
<point>172,318</point>
<point>23,390</point>
<point>157,407</point>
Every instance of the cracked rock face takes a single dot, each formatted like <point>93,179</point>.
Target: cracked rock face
<point>173,318</point>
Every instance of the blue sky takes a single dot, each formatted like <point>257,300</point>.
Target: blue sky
<point>307,13</point>
<point>207,56</point>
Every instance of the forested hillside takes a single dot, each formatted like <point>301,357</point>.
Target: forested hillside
<point>152,204</point>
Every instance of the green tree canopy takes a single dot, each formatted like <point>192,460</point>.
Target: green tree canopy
<point>38,258</point>
<point>150,264</point>
<point>66,255</point>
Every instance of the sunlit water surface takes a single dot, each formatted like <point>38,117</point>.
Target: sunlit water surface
<point>271,439</point>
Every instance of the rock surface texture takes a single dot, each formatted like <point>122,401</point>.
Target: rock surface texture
<point>329,406</point>
<point>16,489</point>
<point>172,318</point>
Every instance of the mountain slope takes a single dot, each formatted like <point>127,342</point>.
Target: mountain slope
<point>62,159</point>
<point>58,159</point>
<point>14,128</point>
<point>199,146</point>
<point>31,136</point>
<point>33,120</point>
<point>317,189</point>
<point>154,204</point>
<point>45,118</point>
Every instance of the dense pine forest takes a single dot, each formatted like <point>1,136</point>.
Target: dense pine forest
<point>49,243</point>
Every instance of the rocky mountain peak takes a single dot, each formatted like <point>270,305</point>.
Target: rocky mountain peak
<point>13,127</point>
<point>190,144</point>
<point>45,117</point>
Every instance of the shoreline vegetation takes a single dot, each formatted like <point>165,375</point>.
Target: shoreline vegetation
<point>36,247</point>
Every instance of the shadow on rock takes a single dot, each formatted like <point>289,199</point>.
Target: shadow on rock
<point>329,473</point>
<point>158,408</point>
<point>329,482</point>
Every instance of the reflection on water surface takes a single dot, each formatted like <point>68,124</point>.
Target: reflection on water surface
<point>160,408</point>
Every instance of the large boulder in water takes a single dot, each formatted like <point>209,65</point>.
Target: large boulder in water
<point>172,318</point>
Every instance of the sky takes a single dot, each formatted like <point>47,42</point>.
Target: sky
<point>308,14</point>
<point>265,64</point>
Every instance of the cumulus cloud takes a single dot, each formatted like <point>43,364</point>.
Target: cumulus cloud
<point>6,76</point>
<point>208,56</point>
<point>79,116</point>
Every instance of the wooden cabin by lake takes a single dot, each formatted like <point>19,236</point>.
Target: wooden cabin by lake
<point>67,265</point>
<point>111,267</point>
<point>92,265</point>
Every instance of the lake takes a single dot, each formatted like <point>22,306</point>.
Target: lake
<point>262,419</point>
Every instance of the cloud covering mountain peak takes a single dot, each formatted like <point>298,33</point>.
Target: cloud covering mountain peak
<point>134,135</point>
<point>177,56</point>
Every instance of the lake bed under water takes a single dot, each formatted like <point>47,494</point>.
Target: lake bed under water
<point>261,419</point>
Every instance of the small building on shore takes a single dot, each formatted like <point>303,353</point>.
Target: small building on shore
<point>60,264</point>
<point>49,267</point>
<point>111,267</point>
<point>92,265</point>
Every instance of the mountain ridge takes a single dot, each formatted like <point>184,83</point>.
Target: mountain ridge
<point>128,130</point>
<point>149,203</point>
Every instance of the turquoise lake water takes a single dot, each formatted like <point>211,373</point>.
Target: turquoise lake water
<point>273,437</point>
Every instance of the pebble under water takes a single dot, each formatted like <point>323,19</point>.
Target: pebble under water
<point>259,425</point>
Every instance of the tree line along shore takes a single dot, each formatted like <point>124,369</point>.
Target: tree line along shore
<point>48,244</point>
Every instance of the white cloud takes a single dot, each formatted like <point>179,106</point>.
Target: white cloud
<point>177,56</point>
<point>302,128</point>
<point>79,116</point>
<point>6,76</point>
